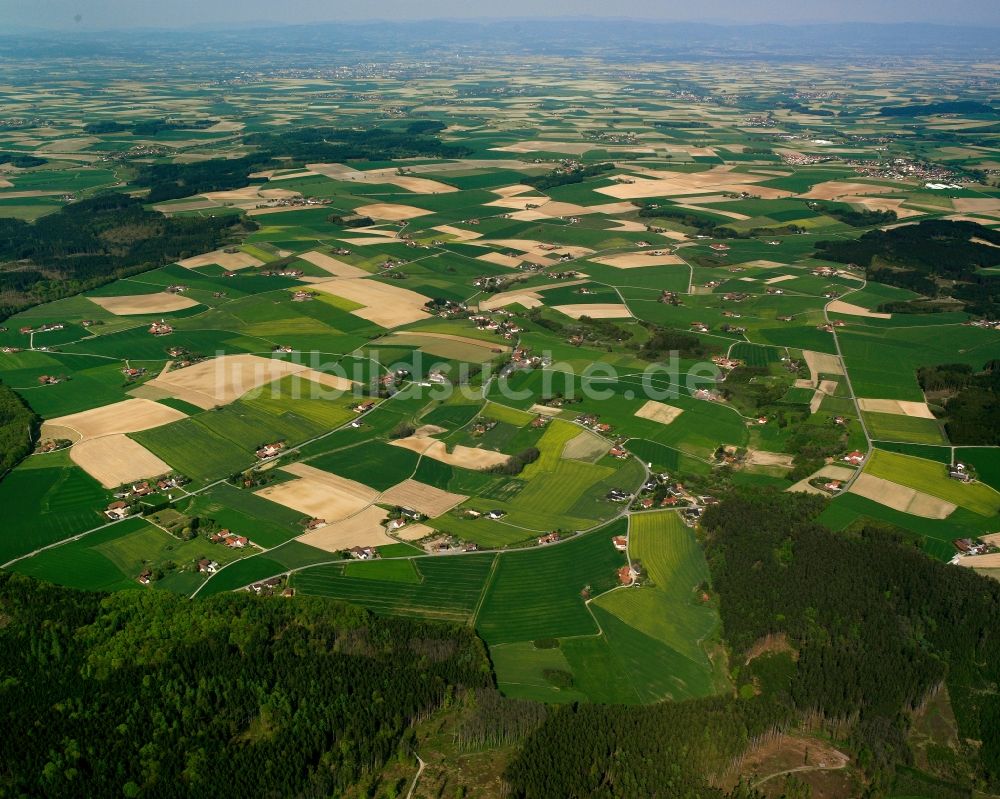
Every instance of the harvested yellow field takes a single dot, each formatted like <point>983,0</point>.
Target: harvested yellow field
<point>826,388</point>
<point>627,226</point>
<point>458,233</point>
<point>899,407</point>
<point>533,247</point>
<point>128,416</point>
<point>363,529</point>
<point>385,305</point>
<point>779,279</point>
<point>821,363</point>
<point>544,410</point>
<point>567,148</point>
<point>221,380</point>
<point>599,310</point>
<point>232,261</point>
<point>466,457</point>
<point>139,304</point>
<point>116,459</point>
<point>835,189</point>
<point>989,561</point>
<point>391,211</point>
<point>760,457</point>
<point>831,472</point>
<point>513,191</point>
<point>319,494</point>
<point>332,265</point>
<point>902,498</point>
<point>388,175</point>
<point>528,299</point>
<point>449,345</point>
<point>249,195</point>
<point>420,185</point>
<point>634,260</point>
<point>972,205</point>
<point>664,183</point>
<point>883,204</point>
<point>414,532</point>
<point>839,306</point>
<point>658,412</point>
<point>500,259</point>
<point>421,497</point>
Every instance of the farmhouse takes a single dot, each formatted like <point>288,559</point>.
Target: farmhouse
<point>620,542</point>
<point>207,566</point>
<point>270,450</point>
<point>363,553</point>
<point>160,328</point>
<point>626,575</point>
<point>959,472</point>
<point>117,510</point>
<point>495,514</point>
<point>551,538</point>
<point>854,458</point>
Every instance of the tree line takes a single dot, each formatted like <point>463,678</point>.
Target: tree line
<point>18,426</point>
<point>94,241</point>
<point>146,693</point>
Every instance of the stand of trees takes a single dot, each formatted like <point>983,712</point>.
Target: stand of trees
<point>663,341</point>
<point>877,625</point>
<point>169,181</point>
<point>914,257</point>
<point>856,218</point>
<point>307,145</point>
<point>22,160</point>
<point>95,241</point>
<point>146,693</point>
<point>559,177</point>
<point>17,429</point>
<point>943,107</point>
<point>147,127</point>
<point>973,407</point>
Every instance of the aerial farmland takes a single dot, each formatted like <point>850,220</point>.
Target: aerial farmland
<point>484,352</point>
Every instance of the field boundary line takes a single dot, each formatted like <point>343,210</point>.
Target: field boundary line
<point>482,594</point>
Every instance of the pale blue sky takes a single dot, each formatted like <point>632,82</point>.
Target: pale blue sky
<point>102,14</point>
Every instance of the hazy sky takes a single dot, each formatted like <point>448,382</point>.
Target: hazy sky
<point>102,14</point>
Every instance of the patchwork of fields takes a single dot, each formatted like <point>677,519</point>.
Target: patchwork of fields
<point>437,379</point>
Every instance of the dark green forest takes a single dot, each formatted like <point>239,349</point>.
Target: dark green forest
<point>142,693</point>
<point>972,400</point>
<point>168,181</point>
<point>92,242</point>
<point>877,624</point>
<point>17,428</point>
<point>917,257</point>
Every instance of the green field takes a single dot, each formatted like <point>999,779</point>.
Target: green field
<point>537,593</point>
<point>932,478</point>
<point>447,588</point>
